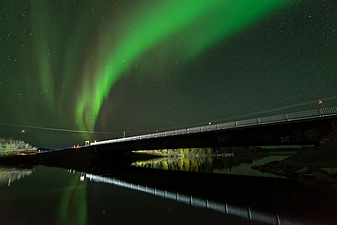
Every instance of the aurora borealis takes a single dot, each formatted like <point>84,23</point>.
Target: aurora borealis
<point>77,70</point>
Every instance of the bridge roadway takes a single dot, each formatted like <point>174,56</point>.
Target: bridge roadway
<point>297,128</point>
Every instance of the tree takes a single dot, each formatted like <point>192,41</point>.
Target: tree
<point>13,147</point>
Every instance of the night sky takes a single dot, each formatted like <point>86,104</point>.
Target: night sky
<point>73,70</point>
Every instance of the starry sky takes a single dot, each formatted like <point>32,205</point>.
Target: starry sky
<point>75,70</point>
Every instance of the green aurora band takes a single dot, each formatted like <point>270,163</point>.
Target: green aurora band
<point>201,24</point>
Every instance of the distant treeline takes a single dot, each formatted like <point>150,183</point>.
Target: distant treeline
<point>12,147</point>
<point>179,152</point>
<point>188,152</point>
<point>208,163</point>
<point>240,149</point>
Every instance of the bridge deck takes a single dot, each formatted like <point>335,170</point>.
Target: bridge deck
<point>271,121</point>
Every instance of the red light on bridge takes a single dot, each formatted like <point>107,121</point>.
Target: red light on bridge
<point>320,102</point>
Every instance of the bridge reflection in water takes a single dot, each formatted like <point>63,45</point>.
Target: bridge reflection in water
<point>245,212</point>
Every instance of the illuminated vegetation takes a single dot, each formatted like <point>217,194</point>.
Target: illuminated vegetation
<point>9,175</point>
<point>201,159</point>
<point>14,147</point>
<point>198,152</point>
<point>196,164</point>
<point>205,163</point>
<point>179,152</point>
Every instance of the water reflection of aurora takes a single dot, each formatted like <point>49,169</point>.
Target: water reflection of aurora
<point>73,202</point>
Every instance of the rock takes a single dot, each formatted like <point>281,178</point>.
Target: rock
<point>330,171</point>
<point>305,169</point>
<point>319,175</point>
<point>315,167</point>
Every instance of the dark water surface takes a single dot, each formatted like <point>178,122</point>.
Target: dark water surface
<point>223,191</point>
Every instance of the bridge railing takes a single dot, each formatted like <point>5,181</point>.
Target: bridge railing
<point>314,113</point>
<point>227,125</point>
<point>304,114</point>
<point>273,119</point>
<point>329,110</point>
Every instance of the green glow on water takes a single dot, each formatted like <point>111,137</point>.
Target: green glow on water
<point>73,207</point>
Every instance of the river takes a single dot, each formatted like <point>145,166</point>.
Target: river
<point>218,190</point>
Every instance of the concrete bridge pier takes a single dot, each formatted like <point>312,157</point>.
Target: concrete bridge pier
<point>332,137</point>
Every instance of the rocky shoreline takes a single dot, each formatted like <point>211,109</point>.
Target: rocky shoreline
<point>315,167</point>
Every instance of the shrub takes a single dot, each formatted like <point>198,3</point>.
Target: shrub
<point>12,147</point>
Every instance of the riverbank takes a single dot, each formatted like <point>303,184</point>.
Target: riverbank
<point>315,167</point>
